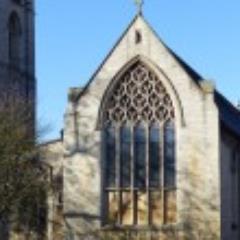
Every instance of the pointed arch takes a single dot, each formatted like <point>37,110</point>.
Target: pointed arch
<point>142,161</point>
<point>14,39</point>
<point>160,77</point>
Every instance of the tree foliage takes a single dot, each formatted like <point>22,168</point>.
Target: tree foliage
<point>23,181</point>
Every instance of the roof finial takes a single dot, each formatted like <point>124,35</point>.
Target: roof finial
<point>139,4</point>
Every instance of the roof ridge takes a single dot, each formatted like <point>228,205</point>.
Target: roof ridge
<point>224,105</point>
<point>108,55</point>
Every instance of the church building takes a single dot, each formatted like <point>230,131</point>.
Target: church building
<point>150,150</point>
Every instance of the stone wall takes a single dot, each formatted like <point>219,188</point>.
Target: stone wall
<point>52,157</point>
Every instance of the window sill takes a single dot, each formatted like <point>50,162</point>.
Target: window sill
<point>165,227</point>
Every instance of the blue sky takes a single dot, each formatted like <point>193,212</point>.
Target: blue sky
<point>74,36</point>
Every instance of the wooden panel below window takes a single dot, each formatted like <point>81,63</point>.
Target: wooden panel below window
<point>142,208</point>
<point>127,208</point>
<point>156,214</point>
<point>170,206</point>
<point>112,207</point>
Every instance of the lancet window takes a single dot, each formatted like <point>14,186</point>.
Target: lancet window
<point>14,39</point>
<point>139,185</point>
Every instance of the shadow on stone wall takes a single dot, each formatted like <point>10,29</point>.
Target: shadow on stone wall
<point>200,216</point>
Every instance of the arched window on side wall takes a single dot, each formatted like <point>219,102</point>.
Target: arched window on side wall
<point>14,39</point>
<point>139,185</point>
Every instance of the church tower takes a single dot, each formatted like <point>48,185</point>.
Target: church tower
<point>17,66</point>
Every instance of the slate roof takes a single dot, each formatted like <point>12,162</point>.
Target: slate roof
<point>229,115</point>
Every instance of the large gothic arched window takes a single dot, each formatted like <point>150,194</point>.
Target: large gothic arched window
<point>14,39</point>
<point>139,162</point>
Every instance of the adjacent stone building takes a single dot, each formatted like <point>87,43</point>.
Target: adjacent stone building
<point>149,148</point>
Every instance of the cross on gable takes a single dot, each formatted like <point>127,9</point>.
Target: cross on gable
<point>139,4</point>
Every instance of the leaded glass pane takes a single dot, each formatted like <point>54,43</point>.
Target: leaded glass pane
<point>154,156</point>
<point>169,156</point>
<point>125,153</point>
<point>110,157</point>
<point>140,156</point>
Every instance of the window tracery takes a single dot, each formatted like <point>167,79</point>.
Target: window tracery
<point>139,96</point>
<point>139,178</point>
